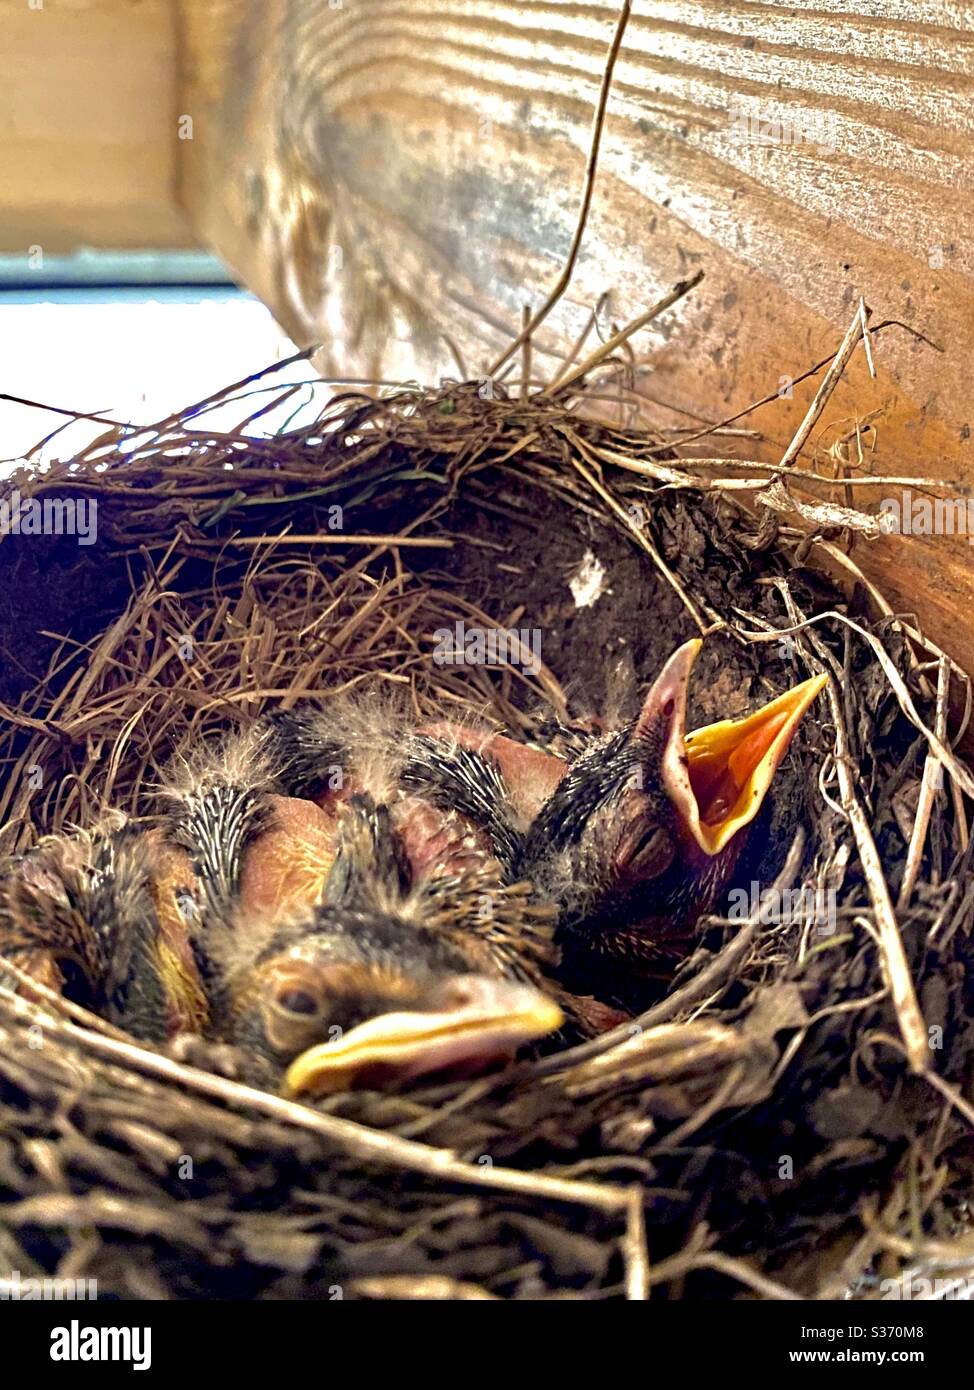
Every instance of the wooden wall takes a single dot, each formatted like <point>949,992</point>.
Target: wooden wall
<point>389,173</point>
<point>89,126</point>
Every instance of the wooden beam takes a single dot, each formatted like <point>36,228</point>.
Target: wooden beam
<point>393,176</point>
<point>89,126</point>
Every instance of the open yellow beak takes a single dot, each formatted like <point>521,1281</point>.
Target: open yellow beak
<point>495,1019</point>
<point>731,764</point>
<point>717,777</point>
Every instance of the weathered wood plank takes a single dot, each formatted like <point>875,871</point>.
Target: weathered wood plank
<point>387,174</point>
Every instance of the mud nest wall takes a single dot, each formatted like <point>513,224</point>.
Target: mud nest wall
<point>793,1116</point>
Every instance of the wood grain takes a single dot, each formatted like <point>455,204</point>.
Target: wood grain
<point>388,174</point>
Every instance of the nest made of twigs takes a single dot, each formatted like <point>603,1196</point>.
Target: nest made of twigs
<point>790,1118</point>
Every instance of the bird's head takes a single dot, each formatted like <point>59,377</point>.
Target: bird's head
<point>715,778</point>
<point>348,999</point>
<point>654,817</point>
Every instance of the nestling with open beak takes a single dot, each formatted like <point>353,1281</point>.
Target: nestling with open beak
<point>643,833</point>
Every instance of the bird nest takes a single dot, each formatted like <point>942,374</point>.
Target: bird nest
<point>788,1117</point>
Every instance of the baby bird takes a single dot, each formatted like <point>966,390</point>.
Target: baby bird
<point>340,946</point>
<point>102,917</point>
<point>643,833</point>
<point>449,797</point>
<point>383,981</point>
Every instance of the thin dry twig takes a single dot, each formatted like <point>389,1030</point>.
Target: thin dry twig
<point>929,787</point>
<point>588,189</point>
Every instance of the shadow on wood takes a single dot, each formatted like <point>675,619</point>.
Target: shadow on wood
<point>394,178</point>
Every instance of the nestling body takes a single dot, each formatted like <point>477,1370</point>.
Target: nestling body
<point>348,902</point>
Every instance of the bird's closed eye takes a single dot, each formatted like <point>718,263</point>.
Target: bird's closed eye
<point>294,1011</point>
<point>645,855</point>
<point>299,1002</point>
